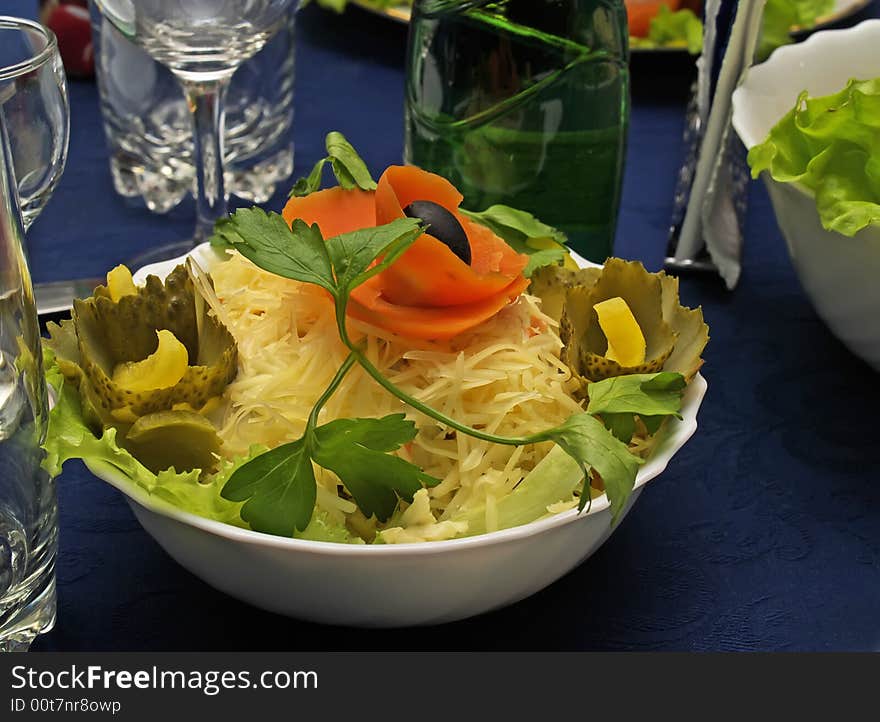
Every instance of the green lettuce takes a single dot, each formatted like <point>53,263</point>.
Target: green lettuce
<point>830,145</point>
<point>781,16</point>
<point>554,479</point>
<point>69,437</point>
<point>681,28</point>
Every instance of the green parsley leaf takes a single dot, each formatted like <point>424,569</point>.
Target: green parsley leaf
<point>540,258</point>
<point>651,397</point>
<point>643,394</point>
<point>348,167</point>
<point>278,489</point>
<point>586,440</point>
<point>311,182</point>
<point>352,253</point>
<point>300,252</point>
<point>355,450</point>
<point>542,243</point>
<point>504,219</point>
<point>343,155</point>
<point>623,426</point>
<point>265,238</point>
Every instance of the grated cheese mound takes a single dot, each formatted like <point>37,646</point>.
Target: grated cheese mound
<point>504,376</point>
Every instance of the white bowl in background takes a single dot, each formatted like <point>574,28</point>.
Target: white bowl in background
<point>840,275</point>
<point>389,585</point>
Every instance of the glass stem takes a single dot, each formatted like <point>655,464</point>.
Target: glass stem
<point>205,101</point>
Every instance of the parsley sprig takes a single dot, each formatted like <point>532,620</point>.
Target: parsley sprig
<point>279,487</point>
<point>348,167</point>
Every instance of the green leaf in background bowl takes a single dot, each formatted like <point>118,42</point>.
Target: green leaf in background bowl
<point>681,28</point>
<point>830,145</point>
<point>781,17</point>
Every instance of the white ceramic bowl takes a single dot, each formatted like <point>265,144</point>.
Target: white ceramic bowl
<point>395,584</point>
<point>839,274</point>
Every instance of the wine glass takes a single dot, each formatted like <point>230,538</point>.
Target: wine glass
<point>35,111</point>
<point>202,42</point>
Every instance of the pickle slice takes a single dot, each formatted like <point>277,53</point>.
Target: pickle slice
<point>113,350</point>
<point>552,283</point>
<point>184,440</point>
<point>692,331</point>
<point>674,335</point>
<point>585,343</point>
<point>111,333</point>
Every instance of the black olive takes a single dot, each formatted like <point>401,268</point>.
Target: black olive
<point>443,226</point>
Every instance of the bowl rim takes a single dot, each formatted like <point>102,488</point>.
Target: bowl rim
<point>677,432</point>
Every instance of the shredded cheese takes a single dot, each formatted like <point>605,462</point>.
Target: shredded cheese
<point>505,377</point>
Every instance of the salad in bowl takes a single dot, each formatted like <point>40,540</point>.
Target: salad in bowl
<point>808,117</point>
<point>380,390</point>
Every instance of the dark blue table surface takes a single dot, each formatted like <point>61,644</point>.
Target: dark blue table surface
<point>763,533</point>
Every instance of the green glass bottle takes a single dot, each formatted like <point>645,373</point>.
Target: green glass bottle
<point>525,103</point>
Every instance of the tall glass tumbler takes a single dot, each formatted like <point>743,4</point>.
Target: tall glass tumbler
<point>524,103</point>
<point>28,506</point>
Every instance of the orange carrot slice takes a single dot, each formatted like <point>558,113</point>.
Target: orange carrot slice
<point>428,293</point>
<point>369,304</point>
<point>335,210</point>
<point>429,274</point>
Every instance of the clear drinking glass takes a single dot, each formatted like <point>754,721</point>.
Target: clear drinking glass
<point>33,100</point>
<point>202,42</point>
<point>149,130</point>
<point>28,506</point>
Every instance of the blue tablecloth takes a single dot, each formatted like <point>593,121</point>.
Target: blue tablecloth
<point>763,533</point>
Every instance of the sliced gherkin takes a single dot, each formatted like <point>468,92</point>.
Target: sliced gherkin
<point>585,343</point>
<point>104,335</point>
<point>692,331</point>
<point>184,440</point>
<point>552,283</point>
<point>675,335</point>
<point>114,333</point>
<point>63,342</point>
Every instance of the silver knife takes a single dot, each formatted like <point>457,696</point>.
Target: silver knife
<point>57,296</point>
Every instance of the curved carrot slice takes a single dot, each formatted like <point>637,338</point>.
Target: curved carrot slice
<point>404,184</point>
<point>335,210</point>
<point>429,274</point>
<point>428,293</point>
<point>369,304</point>
<point>489,253</point>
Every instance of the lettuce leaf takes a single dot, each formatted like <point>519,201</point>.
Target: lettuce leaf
<point>554,479</point>
<point>681,28</point>
<point>830,145</point>
<point>781,16</point>
<point>69,437</point>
